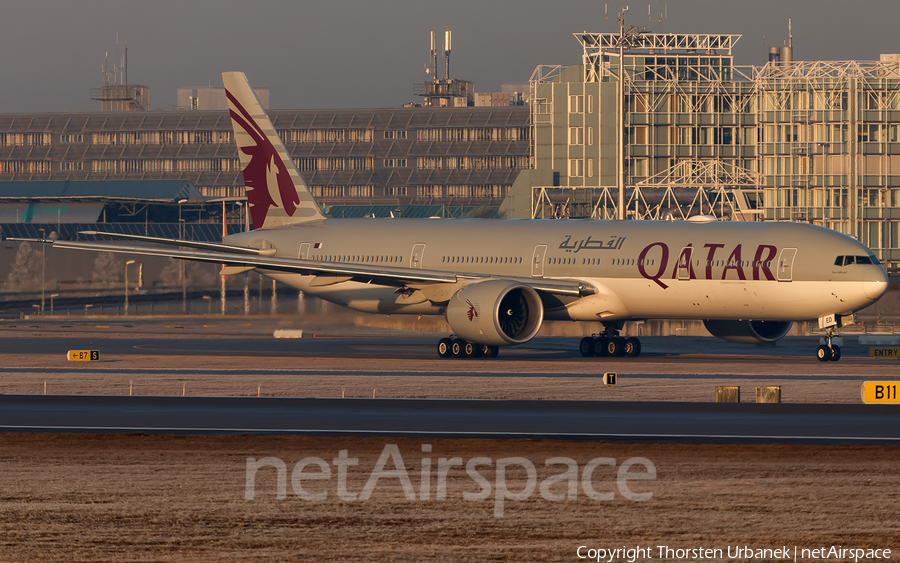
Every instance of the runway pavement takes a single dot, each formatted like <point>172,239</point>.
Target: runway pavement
<point>228,358</point>
<point>569,420</point>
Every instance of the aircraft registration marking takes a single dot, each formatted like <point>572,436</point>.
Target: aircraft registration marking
<point>879,392</point>
<point>891,352</point>
<point>84,355</point>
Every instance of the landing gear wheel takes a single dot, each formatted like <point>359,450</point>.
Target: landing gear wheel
<point>458,348</point>
<point>615,346</point>
<point>586,347</point>
<point>835,353</point>
<point>492,351</point>
<point>823,353</point>
<point>600,345</point>
<point>445,347</point>
<point>632,347</point>
<point>470,350</point>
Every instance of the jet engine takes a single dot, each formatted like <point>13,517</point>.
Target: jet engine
<point>495,312</point>
<point>748,332</point>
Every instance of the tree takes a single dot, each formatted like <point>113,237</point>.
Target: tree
<point>196,275</point>
<point>106,270</point>
<point>26,274</point>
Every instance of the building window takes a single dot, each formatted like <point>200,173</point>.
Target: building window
<point>576,135</point>
<point>576,104</point>
<point>576,167</point>
<point>395,134</point>
<point>395,191</point>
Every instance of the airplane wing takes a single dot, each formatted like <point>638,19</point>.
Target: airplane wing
<point>238,259</point>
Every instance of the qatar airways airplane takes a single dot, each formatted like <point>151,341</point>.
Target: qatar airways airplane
<point>497,280</point>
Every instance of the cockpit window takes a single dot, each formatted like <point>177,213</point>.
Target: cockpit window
<point>847,260</point>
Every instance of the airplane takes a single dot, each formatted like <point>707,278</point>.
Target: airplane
<point>496,281</point>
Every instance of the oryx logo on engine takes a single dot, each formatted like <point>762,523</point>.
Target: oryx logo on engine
<point>472,313</point>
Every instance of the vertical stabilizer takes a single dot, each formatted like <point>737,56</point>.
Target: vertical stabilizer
<point>276,193</point>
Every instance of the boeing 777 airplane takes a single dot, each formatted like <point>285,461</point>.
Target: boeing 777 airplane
<point>496,280</point>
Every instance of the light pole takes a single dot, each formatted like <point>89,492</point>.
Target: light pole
<point>181,262</point>
<point>43,269</point>
<point>126,285</point>
<point>52,295</point>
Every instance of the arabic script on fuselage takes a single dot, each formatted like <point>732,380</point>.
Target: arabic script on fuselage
<point>614,243</point>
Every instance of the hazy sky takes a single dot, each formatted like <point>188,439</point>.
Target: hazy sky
<point>369,53</point>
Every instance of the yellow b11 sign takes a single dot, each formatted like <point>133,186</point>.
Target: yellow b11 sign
<point>880,392</point>
<point>84,355</point>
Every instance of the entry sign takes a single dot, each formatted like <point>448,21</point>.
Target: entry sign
<point>84,355</point>
<point>609,378</point>
<point>880,392</point>
<point>884,352</point>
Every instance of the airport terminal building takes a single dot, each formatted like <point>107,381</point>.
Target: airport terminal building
<point>444,158</point>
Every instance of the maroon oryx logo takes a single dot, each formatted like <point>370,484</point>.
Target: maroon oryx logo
<point>266,177</point>
<point>472,313</point>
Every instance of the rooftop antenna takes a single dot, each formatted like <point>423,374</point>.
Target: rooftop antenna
<point>663,14</point>
<point>447,51</point>
<point>105,68</point>
<point>433,70</point>
<point>790,35</point>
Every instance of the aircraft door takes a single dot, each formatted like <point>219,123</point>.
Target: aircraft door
<point>418,253</point>
<point>537,261</point>
<point>304,251</point>
<point>786,264</point>
<point>684,263</point>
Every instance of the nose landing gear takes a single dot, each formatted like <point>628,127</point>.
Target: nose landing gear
<point>829,352</point>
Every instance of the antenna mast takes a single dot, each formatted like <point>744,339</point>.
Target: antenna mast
<point>447,51</point>
<point>433,57</point>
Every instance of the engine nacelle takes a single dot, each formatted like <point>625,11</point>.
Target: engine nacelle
<point>496,312</point>
<point>748,332</point>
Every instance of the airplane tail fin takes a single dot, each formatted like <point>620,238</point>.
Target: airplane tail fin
<point>276,193</point>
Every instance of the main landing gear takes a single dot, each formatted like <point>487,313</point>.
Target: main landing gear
<point>609,343</point>
<point>828,351</point>
<point>458,348</point>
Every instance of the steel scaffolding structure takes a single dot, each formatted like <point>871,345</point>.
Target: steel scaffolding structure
<point>810,141</point>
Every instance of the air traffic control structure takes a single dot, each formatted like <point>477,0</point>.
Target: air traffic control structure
<point>687,132</point>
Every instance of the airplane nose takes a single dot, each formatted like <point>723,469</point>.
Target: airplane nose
<point>875,282</point>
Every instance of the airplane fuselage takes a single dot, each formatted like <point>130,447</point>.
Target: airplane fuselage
<point>640,269</point>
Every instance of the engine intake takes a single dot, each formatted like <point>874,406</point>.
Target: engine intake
<point>495,312</point>
<point>748,332</point>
